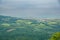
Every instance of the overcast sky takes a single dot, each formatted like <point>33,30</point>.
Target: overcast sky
<point>30,8</point>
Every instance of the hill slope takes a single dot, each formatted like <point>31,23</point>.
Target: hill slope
<point>12,28</point>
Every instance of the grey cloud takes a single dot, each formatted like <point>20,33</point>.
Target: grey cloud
<point>30,8</point>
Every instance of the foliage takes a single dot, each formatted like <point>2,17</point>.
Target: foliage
<point>55,36</point>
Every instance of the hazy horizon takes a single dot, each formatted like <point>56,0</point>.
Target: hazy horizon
<point>30,8</point>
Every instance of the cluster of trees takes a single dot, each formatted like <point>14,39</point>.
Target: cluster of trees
<point>55,36</point>
<point>12,28</point>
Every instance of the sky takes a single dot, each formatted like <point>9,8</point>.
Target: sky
<point>30,8</point>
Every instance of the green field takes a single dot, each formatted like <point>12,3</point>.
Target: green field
<point>12,28</point>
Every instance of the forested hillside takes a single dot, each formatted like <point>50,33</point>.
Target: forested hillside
<point>12,28</point>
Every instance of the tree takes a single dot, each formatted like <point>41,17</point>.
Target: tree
<point>55,36</point>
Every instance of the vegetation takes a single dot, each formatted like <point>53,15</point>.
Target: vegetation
<point>12,28</point>
<point>55,36</point>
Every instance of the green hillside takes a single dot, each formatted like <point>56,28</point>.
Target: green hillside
<point>12,28</point>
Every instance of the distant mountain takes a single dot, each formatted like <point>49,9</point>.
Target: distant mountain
<point>13,28</point>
